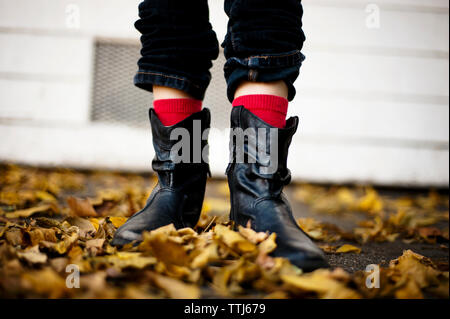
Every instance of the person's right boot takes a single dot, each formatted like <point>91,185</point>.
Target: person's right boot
<point>178,197</point>
<point>256,181</point>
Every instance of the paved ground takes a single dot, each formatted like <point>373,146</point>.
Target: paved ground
<point>372,252</point>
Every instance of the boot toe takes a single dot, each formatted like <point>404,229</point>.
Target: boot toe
<point>305,261</point>
<point>309,263</point>
<point>124,237</point>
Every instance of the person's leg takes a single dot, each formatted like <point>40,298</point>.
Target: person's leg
<point>178,45</point>
<point>262,48</point>
<point>173,106</point>
<point>266,100</point>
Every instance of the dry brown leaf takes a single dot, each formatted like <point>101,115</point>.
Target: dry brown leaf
<point>94,246</point>
<point>430,234</point>
<point>166,248</point>
<point>221,278</point>
<point>409,290</point>
<point>321,283</point>
<point>31,211</point>
<point>14,236</point>
<point>33,255</point>
<point>75,253</point>
<point>252,236</point>
<point>37,235</point>
<point>128,260</point>
<point>59,264</point>
<point>416,267</point>
<point>45,282</point>
<point>175,289</point>
<point>81,207</point>
<point>207,255</point>
<point>63,246</point>
<point>233,240</point>
<point>87,229</point>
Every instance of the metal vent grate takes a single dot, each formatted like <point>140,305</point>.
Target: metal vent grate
<point>117,101</point>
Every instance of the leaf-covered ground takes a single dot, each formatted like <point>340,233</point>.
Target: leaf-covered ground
<point>51,220</point>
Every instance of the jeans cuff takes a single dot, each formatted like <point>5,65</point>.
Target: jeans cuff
<point>264,68</point>
<point>145,80</point>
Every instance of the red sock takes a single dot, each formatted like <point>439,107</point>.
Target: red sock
<point>173,111</point>
<point>271,109</point>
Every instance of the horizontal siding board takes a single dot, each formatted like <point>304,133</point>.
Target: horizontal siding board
<point>388,74</point>
<point>100,17</point>
<point>358,119</point>
<point>45,55</point>
<point>40,102</point>
<point>436,4</point>
<point>403,30</point>
<point>369,164</point>
<point>93,146</point>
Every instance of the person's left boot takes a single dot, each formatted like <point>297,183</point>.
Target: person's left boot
<point>256,181</point>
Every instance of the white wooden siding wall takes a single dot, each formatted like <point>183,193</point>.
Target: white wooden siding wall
<point>374,103</point>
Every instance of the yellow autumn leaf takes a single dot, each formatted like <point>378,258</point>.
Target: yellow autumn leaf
<point>268,245</point>
<point>95,222</point>
<point>348,249</point>
<point>45,196</point>
<point>30,211</point>
<point>321,283</point>
<point>176,289</point>
<point>207,255</point>
<point>233,239</point>
<point>118,221</point>
<point>130,259</point>
<point>371,202</point>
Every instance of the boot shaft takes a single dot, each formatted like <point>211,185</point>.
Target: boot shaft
<point>260,149</point>
<point>181,150</point>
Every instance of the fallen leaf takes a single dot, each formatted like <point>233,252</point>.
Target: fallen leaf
<point>37,235</point>
<point>118,221</point>
<point>252,236</point>
<point>30,211</point>
<point>233,240</point>
<point>127,260</point>
<point>268,245</point>
<point>94,246</point>
<point>165,247</point>
<point>81,207</point>
<point>87,229</point>
<point>14,236</point>
<point>33,255</point>
<point>175,289</point>
<point>45,282</point>
<point>348,249</point>
<point>321,283</point>
<point>207,255</point>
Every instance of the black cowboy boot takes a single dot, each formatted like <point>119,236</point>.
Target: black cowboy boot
<point>256,183</point>
<point>178,197</point>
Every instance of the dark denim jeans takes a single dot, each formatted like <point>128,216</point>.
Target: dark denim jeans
<point>263,44</point>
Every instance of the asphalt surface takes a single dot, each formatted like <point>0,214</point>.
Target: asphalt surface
<point>372,252</point>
